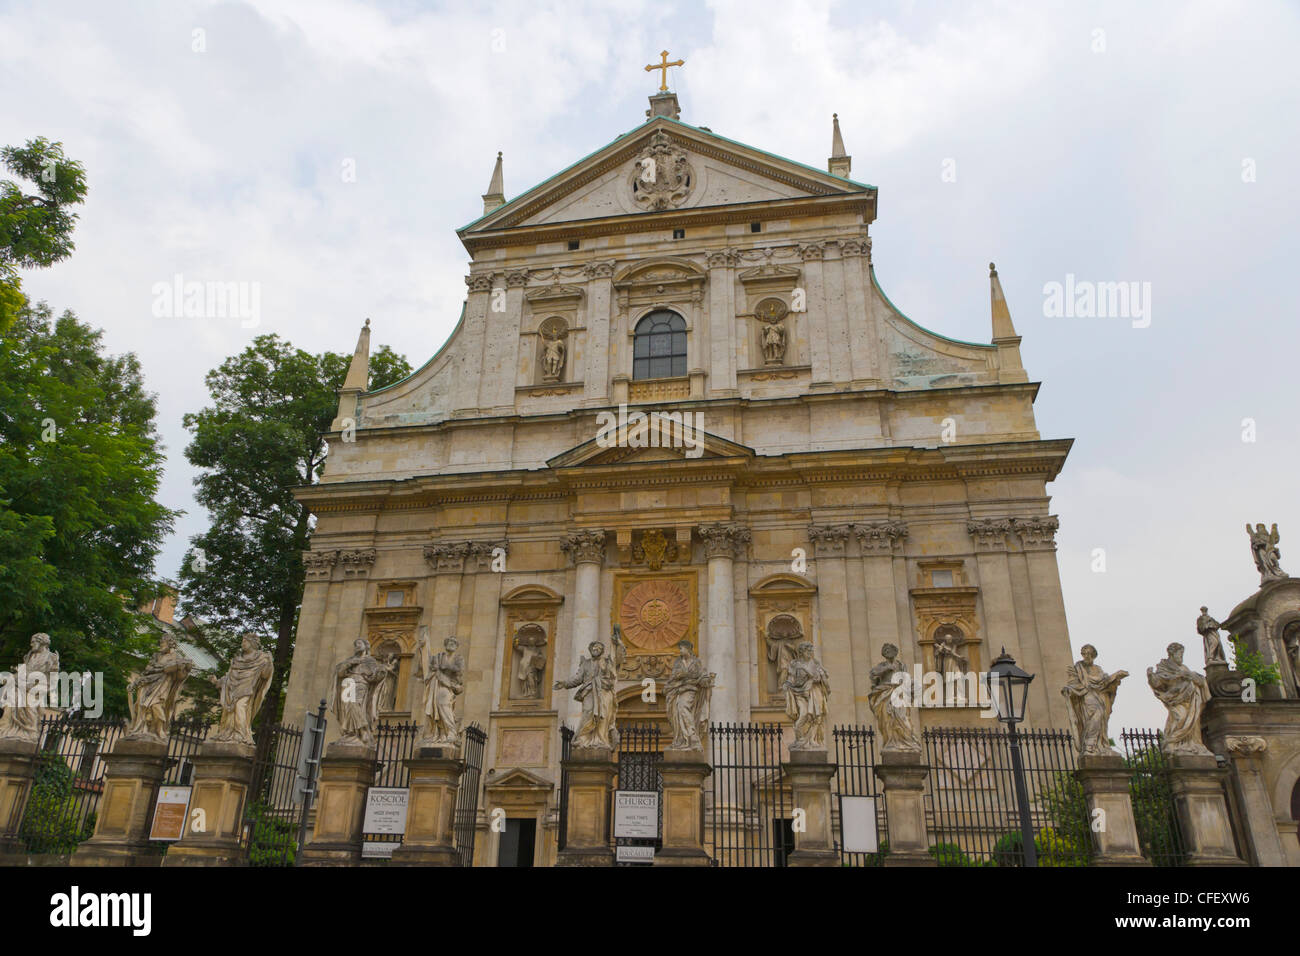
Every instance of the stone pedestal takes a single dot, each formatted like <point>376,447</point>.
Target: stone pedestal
<point>223,772</point>
<point>1197,783</point>
<point>346,773</point>
<point>133,772</point>
<point>17,760</point>
<point>431,809</point>
<point>684,773</point>
<point>810,774</point>
<point>1105,783</point>
<point>902,778</point>
<point>591,773</point>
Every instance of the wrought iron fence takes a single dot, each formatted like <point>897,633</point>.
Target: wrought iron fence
<point>187,736</point>
<point>566,748</point>
<point>466,823</point>
<point>971,808</point>
<point>280,793</point>
<point>751,824</point>
<point>855,776</point>
<point>394,744</point>
<point>1159,830</point>
<point>639,757</point>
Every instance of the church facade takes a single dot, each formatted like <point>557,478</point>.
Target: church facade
<point>678,403</point>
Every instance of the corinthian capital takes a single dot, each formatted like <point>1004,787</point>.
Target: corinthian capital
<point>585,547</point>
<point>479,283</point>
<point>811,251</point>
<point>447,557</point>
<point>829,540</point>
<point>1037,531</point>
<point>319,564</point>
<point>989,533</point>
<point>880,536</point>
<point>517,279</point>
<point>357,562</point>
<point>724,540</point>
<point>599,270</point>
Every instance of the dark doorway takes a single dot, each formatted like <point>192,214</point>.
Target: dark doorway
<point>782,840</point>
<point>517,843</point>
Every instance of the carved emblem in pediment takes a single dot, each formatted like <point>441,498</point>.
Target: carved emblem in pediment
<point>662,176</point>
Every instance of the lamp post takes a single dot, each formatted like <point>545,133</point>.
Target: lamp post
<point>1010,691</point>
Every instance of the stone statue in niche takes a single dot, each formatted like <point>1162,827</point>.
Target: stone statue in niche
<point>1209,628</point>
<point>951,664</point>
<point>1090,692</point>
<point>1184,694</point>
<point>889,693</point>
<point>388,656</point>
<point>687,697</point>
<point>784,635</point>
<point>530,660</point>
<point>772,313</point>
<point>554,349</point>
<point>807,690</point>
<point>1263,548</point>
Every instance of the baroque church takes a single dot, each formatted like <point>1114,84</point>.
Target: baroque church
<point>829,470</point>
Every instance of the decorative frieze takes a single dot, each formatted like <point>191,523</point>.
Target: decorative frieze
<point>585,547</point>
<point>319,565</point>
<point>357,562</point>
<point>989,533</point>
<point>724,540</point>
<point>880,537</point>
<point>1038,531</point>
<point>829,540</point>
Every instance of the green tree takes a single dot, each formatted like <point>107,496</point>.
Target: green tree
<point>261,437</point>
<point>35,228</point>
<point>80,464</point>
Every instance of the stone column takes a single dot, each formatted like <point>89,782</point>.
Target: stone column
<point>17,764</point>
<point>318,567</point>
<point>591,784</point>
<point>587,549</point>
<point>721,544</point>
<point>902,777</point>
<point>684,773</point>
<point>223,772</point>
<point>601,328</point>
<point>855,255</point>
<point>879,542</point>
<point>346,773</point>
<point>810,774</point>
<point>819,340</point>
<point>133,772</point>
<point>1105,782</point>
<point>431,810</point>
<point>722,333</point>
<point>830,543</point>
<point>1246,756</point>
<point>468,360</point>
<point>1197,783</point>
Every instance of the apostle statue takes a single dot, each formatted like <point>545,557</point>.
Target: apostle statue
<point>553,350</point>
<point>530,647</point>
<point>1090,692</point>
<point>773,344</point>
<point>594,683</point>
<point>443,675</point>
<point>243,688</point>
<point>783,638</point>
<point>1263,548</point>
<point>688,693</point>
<point>151,697</point>
<point>358,685</point>
<point>951,663</point>
<point>29,691</point>
<point>889,703</point>
<point>1184,694</point>
<point>807,689</point>
<point>1209,628</point>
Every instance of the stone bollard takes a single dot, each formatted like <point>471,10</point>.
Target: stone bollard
<point>1105,782</point>
<point>684,773</point>
<point>1197,783</point>
<point>17,765</point>
<point>431,812</point>
<point>133,772</point>
<point>810,774</point>
<point>223,772</point>
<point>591,773</point>
<point>902,777</point>
<point>346,773</point>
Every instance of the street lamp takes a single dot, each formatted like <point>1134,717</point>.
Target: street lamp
<point>1009,687</point>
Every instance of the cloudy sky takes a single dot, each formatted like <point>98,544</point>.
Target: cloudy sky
<point>327,149</point>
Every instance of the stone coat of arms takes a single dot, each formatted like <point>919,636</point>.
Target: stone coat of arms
<point>662,176</point>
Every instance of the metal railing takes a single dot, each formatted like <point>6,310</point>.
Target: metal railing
<point>855,776</point>
<point>750,822</point>
<point>1159,830</point>
<point>466,823</point>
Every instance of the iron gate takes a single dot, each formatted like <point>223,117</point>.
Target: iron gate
<point>639,758</point>
<point>750,817</point>
<point>466,825</point>
<point>1159,831</point>
<point>855,776</point>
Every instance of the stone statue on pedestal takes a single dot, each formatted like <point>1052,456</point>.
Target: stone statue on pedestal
<point>688,693</point>
<point>443,675</point>
<point>1090,692</point>
<point>29,691</point>
<point>889,704</point>
<point>358,686</point>
<point>243,688</point>
<point>807,689</point>
<point>1209,628</point>
<point>152,696</point>
<point>594,683</point>
<point>1184,694</point>
<point>1263,548</point>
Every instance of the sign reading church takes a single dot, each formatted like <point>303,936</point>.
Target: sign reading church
<point>822,468</point>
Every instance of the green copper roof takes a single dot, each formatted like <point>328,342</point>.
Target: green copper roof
<point>902,315</point>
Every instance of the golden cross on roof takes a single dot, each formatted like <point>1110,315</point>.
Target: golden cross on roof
<point>663,70</point>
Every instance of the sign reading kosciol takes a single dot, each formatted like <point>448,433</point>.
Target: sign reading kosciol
<point>386,810</point>
<point>636,814</point>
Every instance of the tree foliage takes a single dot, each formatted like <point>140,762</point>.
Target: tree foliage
<point>261,437</point>
<point>80,464</point>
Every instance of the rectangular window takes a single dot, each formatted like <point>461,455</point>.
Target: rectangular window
<point>755,227</point>
<point>573,245</point>
<point>394,599</point>
<point>679,233</point>
<point>940,579</point>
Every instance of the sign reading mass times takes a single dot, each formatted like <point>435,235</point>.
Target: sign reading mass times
<point>636,814</point>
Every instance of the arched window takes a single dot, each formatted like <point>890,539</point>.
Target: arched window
<point>659,346</point>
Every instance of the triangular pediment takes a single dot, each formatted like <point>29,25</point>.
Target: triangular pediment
<point>662,166</point>
<point>516,778</point>
<point>641,440</point>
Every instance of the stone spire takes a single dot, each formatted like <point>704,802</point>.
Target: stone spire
<point>495,197</point>
<point>1010,368</point>
<point>840,162</point>
<point>355,383</point>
